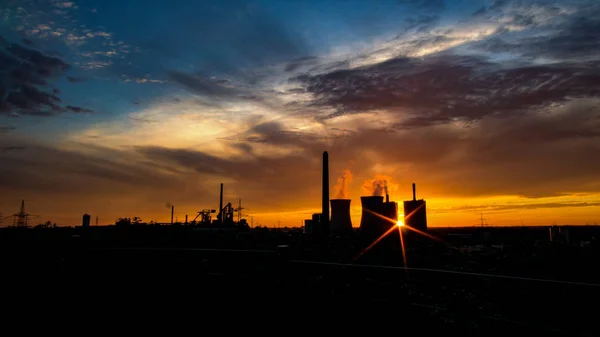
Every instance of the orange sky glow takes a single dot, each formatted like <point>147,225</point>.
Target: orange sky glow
<point>442,211</point>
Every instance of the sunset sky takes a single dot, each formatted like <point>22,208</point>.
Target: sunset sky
<point>117,108</point>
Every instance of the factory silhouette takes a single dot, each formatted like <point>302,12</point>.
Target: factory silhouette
<point>379,214</point>
<point>377,218</point>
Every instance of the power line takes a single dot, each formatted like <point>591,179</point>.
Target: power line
<point>451,272</point>
<point>520,278</point>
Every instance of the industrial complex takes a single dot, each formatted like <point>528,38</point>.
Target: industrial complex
<point>379,215</point>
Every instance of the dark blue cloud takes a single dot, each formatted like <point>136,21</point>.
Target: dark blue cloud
<point>443,88</point>
<point>205,87</point>
<point>24,74</point>
<point>573,39</point>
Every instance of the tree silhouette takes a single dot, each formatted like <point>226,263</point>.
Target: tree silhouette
<point>123,222</point>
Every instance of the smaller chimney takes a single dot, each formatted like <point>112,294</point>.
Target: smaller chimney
<point>414,191</point>
<point>220,216</point>
<point>186,219</point>
<point>172,211</point>
<point>387,196</point>
<point>325,196</point>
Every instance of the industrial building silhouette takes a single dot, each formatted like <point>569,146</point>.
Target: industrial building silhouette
<point>415,212</point>
<point>85,222</point>
<point>378,215</point>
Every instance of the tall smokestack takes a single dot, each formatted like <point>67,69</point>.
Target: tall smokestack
<point>414,191</point>
<point>221,205</point>
<point>172,211</point>
<point>325,197</point>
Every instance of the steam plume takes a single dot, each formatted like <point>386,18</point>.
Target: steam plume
<point>168,204</point>
<point>379,185</point>
<point>342,185</point>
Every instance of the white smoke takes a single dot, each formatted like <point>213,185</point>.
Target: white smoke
<point>342,185</point>
<point>379,186</point>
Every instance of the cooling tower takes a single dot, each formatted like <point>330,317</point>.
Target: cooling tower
<point>390,210</point>
<point>415,214</point>
<point>370,223</point>
<point>340,216</point>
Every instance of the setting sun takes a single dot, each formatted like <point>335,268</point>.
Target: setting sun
<point>400,221</point>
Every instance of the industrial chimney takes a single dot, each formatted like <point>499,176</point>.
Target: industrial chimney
<point>172,211</point>
<point>220,215</point>
<point>340,216</point>
<point>387,195</point>
<point>325,197</point>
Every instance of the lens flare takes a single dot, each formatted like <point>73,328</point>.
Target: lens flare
<point>400,221</point>
<point>402,246</point>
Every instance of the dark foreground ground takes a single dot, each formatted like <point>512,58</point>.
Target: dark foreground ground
<point>270,289</point>
<point>212,285</point>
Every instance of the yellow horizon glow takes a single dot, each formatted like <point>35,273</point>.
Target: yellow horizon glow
<point>441,212</point>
